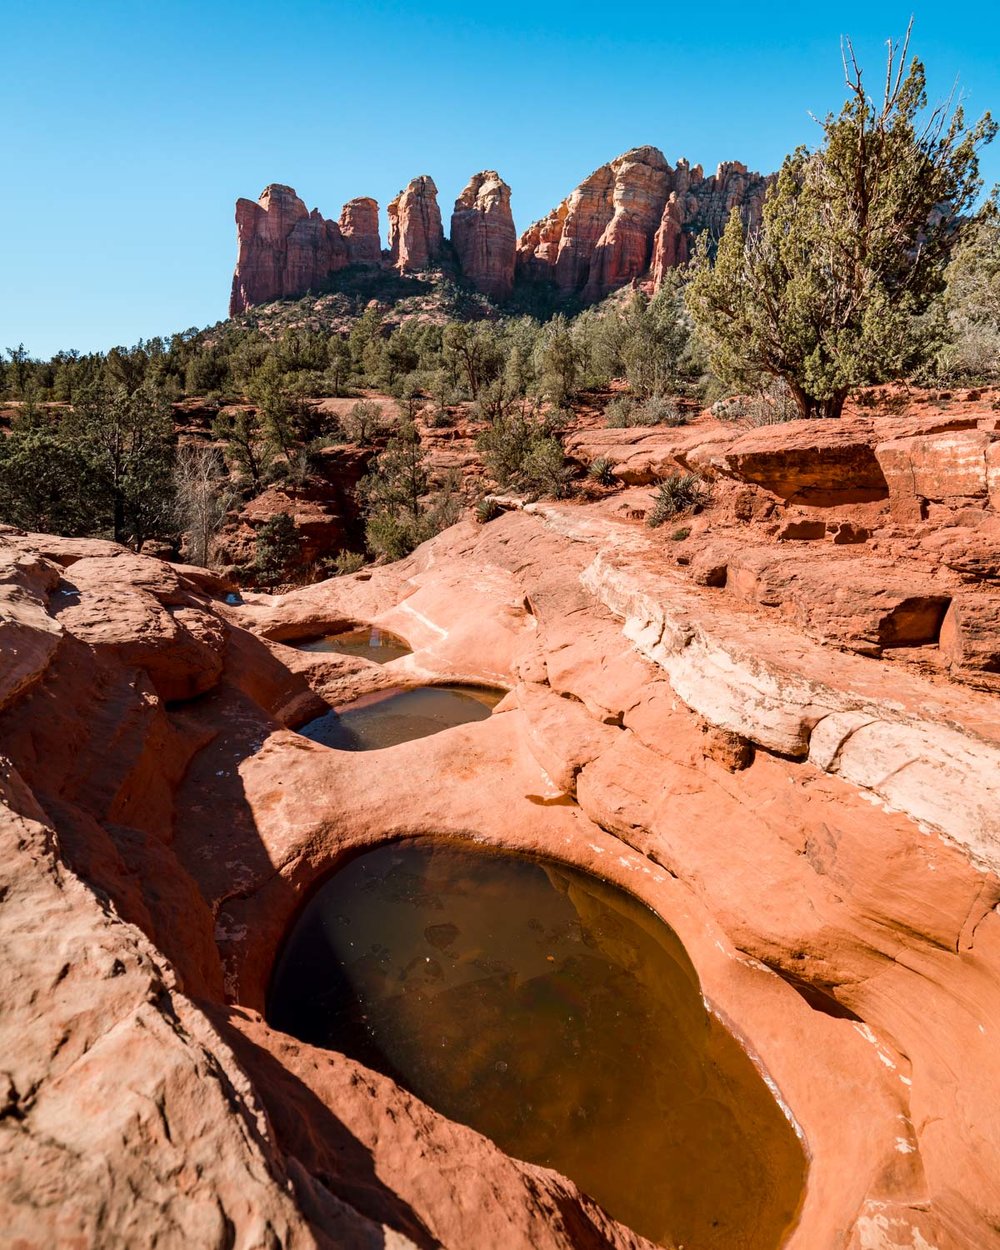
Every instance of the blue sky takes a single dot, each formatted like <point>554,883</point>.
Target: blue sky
<point>130,129</point>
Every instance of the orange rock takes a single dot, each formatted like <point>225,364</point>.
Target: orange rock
<point>283,249</point>
<point>359,226</point>
<point>483,235</point>
<point>415,233</point>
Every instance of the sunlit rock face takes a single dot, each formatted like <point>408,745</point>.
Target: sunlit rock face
<point>483,235</point>
<point>416,235</point>
<point>635,216</point>
<point>283,250</point>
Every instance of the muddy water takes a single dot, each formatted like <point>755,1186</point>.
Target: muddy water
<point>556,1015</point>
<point>388,717</point>
<point>368,641</point>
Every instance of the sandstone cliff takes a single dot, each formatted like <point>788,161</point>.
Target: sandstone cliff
<point>283,249</point>
<point>359,226</point>
<point>416,235</point>
<point>483,235</point>
<point>634,213</point>
<point>633,216</point>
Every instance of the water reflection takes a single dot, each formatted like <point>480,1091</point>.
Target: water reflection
<point>558,1016</point>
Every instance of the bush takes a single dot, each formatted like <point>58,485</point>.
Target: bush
<point>277,548</point>
<point>364,422</point>
<point>346,562</point>
<point>487,510</point>
<point>602,471</point>
<point>771,405</point>
<point>623,411</point>
<point>677,494</point>
<point>519,451</point>
<point>680,534</point>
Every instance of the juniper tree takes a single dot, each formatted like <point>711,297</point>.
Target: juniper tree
<point>852,246</point>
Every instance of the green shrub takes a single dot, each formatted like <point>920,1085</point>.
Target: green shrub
<point>346,562</point>
<point>602,471</point>
<point>675,495</point>
<point>488,509</point>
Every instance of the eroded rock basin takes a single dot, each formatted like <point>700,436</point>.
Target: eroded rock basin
<point>367,641</point>
<point>388,717</point>
<point>557,1015</point>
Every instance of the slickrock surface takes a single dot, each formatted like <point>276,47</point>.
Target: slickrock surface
<point>483,235</point>
<point>415,232</point>
<point>779,731</point>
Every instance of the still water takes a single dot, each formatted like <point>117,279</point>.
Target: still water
<point>368,641</point>
<point>558,1016</point>
<point>388,717</point>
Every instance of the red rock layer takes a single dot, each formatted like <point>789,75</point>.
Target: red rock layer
<point>359,226</point>
<point>415,232</point>
<point>697,204</point>
<point>483,235</point>
<point>284,250</point>
<point>633,213</point>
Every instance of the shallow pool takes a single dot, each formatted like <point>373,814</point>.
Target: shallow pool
<point>368,641</point>
<point>388,717</point>
<point>557,1015</point>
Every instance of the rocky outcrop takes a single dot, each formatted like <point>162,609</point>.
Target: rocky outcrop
<point>483,235</point>
<point>283,249</point>
<point>416,235</point>
<point>635,213</point>
<point>162,826</point>
<point>699,205</point>
<point>359,226</point>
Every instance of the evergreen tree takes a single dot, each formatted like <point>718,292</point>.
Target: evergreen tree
<point>852,247</point>
<point>125,441</point>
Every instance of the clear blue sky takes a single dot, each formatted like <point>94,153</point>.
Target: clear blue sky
<point>130,129</point>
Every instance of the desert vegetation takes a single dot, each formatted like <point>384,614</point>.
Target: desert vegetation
<point>869,265</point>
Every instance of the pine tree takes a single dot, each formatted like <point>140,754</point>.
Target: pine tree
<point>851,250</point>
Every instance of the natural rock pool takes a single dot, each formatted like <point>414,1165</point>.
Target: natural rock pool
<point>368,641</point>
<point>558,1016</point>
<point>388,717</point>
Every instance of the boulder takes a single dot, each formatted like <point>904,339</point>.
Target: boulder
<point>970,633</point>
<point>948,468</point>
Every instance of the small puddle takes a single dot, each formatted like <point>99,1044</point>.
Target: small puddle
<point>367,641</point>
<point>558,1016</point>
<point>388,717</point>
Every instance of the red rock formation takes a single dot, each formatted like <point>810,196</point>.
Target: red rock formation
<point>483,235</point>
<point>638,194</point>
<point>283,249</point>
<point>634,213</point>
<point>359,226</point>
<point>700,205</point>
<point>415,232</point>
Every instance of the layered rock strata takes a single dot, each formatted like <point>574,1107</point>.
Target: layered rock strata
<point>822,838</point>
<point>633,216</point>
<point>483,235</point>
<point>416,236</point>
<point>283,250</point>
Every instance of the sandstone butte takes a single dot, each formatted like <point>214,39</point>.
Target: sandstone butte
<point>780,731</point>
<point>637,215</point>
